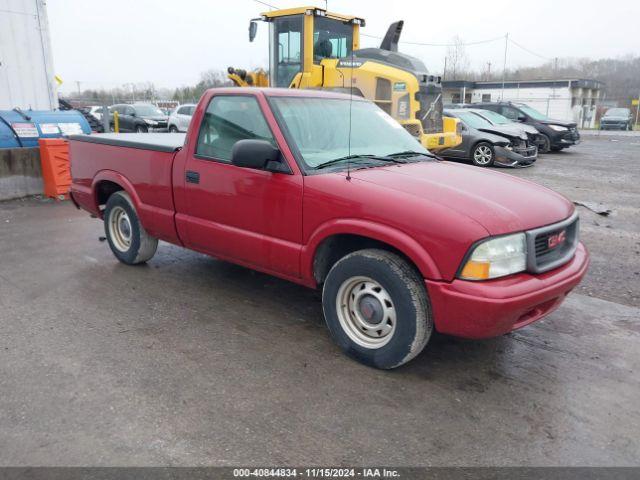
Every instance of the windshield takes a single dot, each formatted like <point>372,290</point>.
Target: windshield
<point>494,117</point>
<point>473,119</point>
<point>536,115</point>
<point>148,111</point>
<point>319,128</point>
<point>617,112</point>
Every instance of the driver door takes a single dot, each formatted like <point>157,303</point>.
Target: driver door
<point>250,216</point>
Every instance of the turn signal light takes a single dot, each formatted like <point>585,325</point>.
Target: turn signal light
<point>476,270</point>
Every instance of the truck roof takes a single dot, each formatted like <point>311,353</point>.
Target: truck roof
<point>343,93</point>
<point>161,142</point>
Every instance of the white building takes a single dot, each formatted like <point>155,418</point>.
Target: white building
<point>27,78</point>
<point>571,99</point>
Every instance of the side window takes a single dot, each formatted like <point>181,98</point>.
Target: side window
<point>190,110</point>
<point>183,110</point>
<point>287,49</point>
<point>509,112</point>
<point>129,111</point>
<point>227,120</point>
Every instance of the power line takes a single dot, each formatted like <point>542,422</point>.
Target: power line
<point>266,4</point>
<point>528,50</point>
<point>424,44</point>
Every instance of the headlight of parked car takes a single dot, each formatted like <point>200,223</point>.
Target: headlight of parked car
<point>558,128</point>
<point>496,257</point>
<point>150,122</point>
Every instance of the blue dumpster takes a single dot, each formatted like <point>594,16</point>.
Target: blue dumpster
<point>23,128</point>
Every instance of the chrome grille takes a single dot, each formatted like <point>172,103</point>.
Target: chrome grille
<point>552,246</point>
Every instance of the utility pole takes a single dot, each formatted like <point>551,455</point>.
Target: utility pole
<point>78,84</point>
<point>488,70</point>
<point>504,65</point>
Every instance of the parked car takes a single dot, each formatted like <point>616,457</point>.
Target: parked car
<point>95,111</point>
<point>139,117</point>
<point>486,144</point>
<point>617,119</point>
<point>180,118</point>
<point>496,119</point>
<point>399,242</point>
<point>555,134</point>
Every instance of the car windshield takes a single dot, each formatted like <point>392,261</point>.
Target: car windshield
<point>617,112</point>
<point>473,120</point>
<point>494,117</point>
<point>320,129</point>
<point>148,111</point>
<point>536,115</point>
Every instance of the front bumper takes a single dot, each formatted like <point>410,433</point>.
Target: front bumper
<point>614,126</point>
<point>495,307</point>
<point>510,158</point>
<point>566,139</point>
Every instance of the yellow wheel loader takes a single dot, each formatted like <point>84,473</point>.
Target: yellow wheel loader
<point>312,48</point>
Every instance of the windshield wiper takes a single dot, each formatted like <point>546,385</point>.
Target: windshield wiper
<point>411,153</point>
<point>358,157</point>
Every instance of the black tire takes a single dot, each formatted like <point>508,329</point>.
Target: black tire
<point>173,129</point>
<point>479,154</point>
<point>141,246</point>
<point>545,147</point>
<point>141,129</point>
<point>410,304</point>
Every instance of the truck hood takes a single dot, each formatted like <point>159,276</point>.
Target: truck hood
<point>501,203</point>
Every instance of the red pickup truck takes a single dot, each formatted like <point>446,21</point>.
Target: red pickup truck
<point>328,191</point>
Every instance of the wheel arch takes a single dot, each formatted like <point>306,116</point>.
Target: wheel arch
<point>108,182</point>
<point>338,238</point>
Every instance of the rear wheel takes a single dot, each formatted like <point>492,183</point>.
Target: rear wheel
<point>376,308</point>
<point>128,239</point>
<point>483,154</point>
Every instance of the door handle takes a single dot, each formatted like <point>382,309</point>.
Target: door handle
<point>192,177</point>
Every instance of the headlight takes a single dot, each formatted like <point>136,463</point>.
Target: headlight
<point>496,257</point>
<point>150,122</point>
<point>558,128</point>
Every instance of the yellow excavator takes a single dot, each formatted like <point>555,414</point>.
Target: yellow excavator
<point>312,48</point>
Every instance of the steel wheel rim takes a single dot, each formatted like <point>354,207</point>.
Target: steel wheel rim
<point>482,155</point>
<point>366,312</point>
<point>120,229</point>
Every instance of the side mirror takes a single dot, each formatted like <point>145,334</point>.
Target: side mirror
<point>132,114</point>
<point>257,154</point>
<point>253,28</point>
<point>522,118</point>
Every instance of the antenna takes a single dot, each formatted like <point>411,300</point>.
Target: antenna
<point>350,103</point>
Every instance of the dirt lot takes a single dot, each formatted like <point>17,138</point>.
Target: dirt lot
<point>192,361</point>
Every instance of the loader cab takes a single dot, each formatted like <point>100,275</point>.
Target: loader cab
<point>300,38</point>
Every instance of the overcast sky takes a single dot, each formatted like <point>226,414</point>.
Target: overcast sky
<point>169,42</point>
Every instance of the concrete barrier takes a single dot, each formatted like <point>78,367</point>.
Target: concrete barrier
<point>20,173</point>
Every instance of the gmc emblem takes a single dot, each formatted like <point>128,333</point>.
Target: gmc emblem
<point>556,239</point>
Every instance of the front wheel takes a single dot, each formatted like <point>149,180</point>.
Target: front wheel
<point>129,241</point>
<point>141,129</point>
<point>483,155</point>
<point>173,129</point>
<point>545,146</point>
<point>376,308</point>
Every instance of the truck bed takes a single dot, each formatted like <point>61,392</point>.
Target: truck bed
<point>160,142</point>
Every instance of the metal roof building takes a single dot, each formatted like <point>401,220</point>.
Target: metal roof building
<point>27,78</point>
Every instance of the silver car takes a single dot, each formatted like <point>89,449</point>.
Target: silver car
<point>181,117</point>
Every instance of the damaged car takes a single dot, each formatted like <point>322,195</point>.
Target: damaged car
<point>486,144</point>
<point>534,136</point>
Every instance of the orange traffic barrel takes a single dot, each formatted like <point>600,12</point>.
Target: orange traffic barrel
<point>56,172</point>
